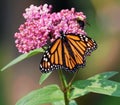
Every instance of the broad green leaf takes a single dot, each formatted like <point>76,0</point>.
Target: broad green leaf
<point>59,103</point>
<point>77,92</point>
<point>48,94</point>
<point>44,77</point>
<point>105,75</point>
<point>72,102</point>
<point>22,57</point>
<point>106,87</point>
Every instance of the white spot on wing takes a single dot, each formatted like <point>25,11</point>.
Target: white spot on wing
<point>86,39</point>
<point>45,59</point>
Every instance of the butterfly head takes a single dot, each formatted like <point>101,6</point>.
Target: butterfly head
<point>62,36</point>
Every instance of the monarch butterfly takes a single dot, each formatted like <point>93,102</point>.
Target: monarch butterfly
<point>67,52</point>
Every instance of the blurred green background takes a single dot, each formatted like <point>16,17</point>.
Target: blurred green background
<point>104,20</point>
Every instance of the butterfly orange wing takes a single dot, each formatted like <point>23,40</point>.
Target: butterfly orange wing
<point>68,54</point>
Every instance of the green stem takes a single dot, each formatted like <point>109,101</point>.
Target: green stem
<point>73,78</point>
<point>64,87</point>
<point>62,79</point>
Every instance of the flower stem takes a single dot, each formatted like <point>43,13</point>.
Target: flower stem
<point>64,87</point>
<point>69,84</point>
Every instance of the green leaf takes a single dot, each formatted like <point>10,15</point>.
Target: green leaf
<point>105,75</point>
<point>106,87</point>
<point>80,87</point>
<point>72,102</point>
<point>22,57</point>
<point>59,103</point>
<point>48,94</point>
<point>76,92</point>
<point>44,77</point>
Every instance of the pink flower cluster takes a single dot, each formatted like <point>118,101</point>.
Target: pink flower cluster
<point>41,25</point>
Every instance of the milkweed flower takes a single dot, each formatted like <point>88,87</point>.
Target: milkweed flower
<point>41,25</point>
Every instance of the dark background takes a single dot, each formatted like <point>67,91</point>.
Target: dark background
<point>104,20</point>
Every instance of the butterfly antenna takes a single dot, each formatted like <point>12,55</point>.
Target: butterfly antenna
<point>44,48</point>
